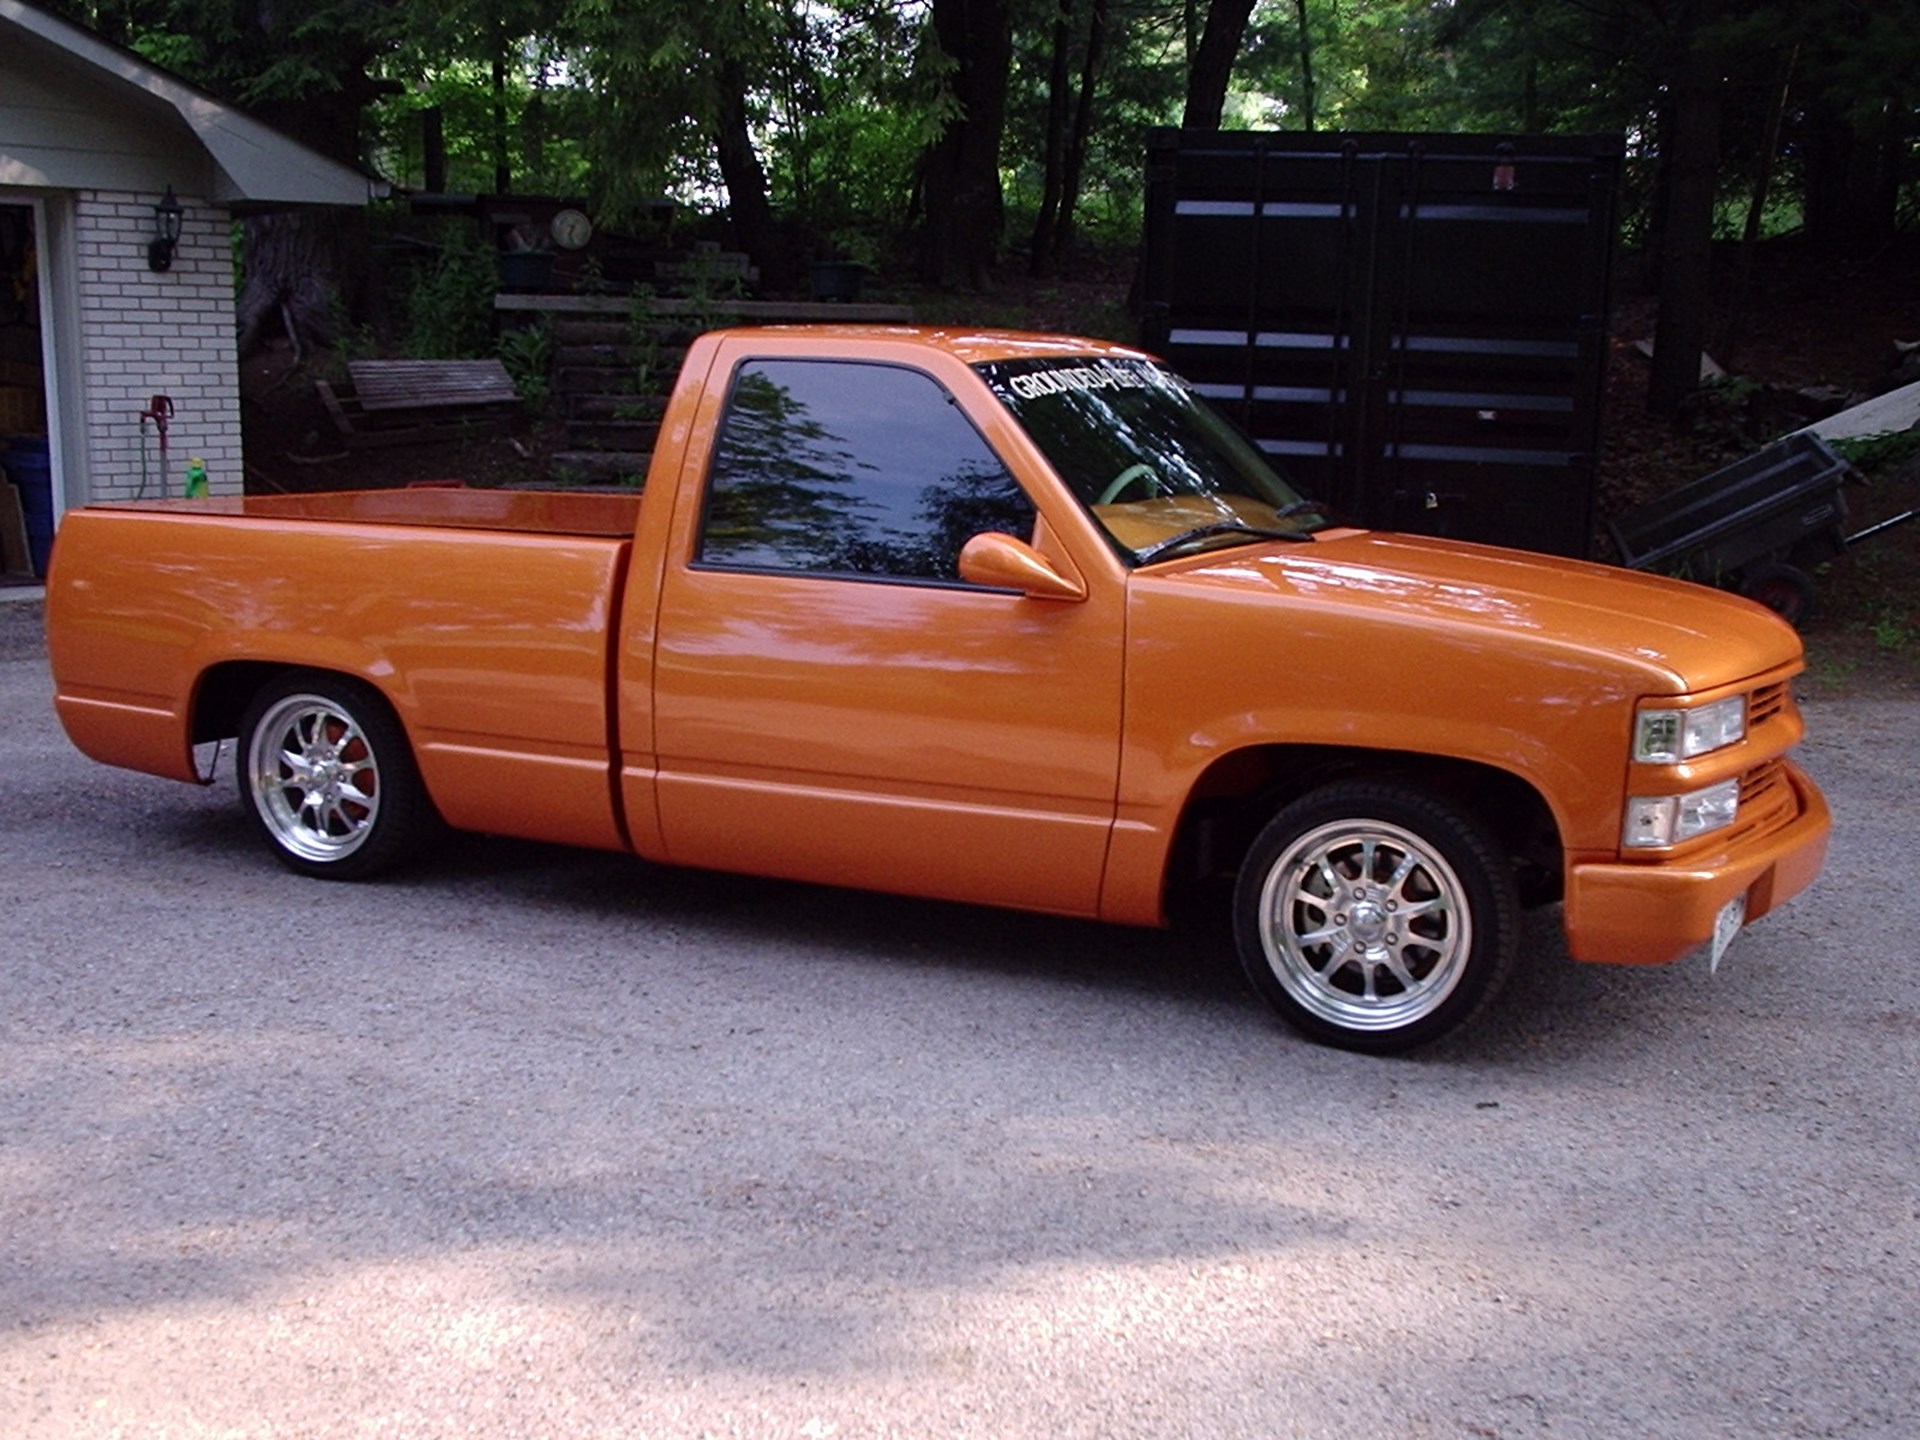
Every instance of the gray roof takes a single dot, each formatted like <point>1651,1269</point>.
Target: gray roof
<point>129,139</point>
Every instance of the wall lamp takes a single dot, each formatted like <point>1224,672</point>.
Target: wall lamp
<point>166,233</point>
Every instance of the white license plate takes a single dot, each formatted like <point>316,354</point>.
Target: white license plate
<point>1726,925</point>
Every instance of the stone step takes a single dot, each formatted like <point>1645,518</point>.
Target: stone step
<point>628,436</point>
<point>591,332</point>
<point>601,464</point>
<point>661,357</point>
<point>594,379</point>
<point>577,354</point>
<point>667,330</point>
<point>586,405</point>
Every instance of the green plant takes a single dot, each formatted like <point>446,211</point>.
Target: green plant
<point>1892,631</point>
<point>1720,416</point>
<point>350,341</point>
<point>528,355</point>
<point>450,300</point>
<point>710,285</point>
<point>591,277</point>
<point>1873,454</point>
<point>856,246</point>
<point>1832,672</point>
<point>643,341</point>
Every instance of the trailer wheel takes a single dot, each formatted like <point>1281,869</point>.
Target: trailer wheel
<point>1375,917</point>
<point>328,777</point>
<point>1787,590</point>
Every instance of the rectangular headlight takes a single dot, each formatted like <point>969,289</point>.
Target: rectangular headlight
<point>1654,820</point>
<point>1666,737</point>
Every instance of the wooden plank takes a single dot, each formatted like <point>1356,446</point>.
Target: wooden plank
<point>408,425</point>
<point>430,384</point>
<point>855,312</point>
<point>342,421</point>
<point>15,557</point>
<point>1894,411</point>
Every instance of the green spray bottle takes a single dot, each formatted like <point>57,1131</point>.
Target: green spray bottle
<point>196,479</point>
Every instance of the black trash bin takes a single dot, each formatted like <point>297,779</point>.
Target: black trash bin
<point>29,465</point>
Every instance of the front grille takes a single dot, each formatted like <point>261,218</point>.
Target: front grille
<point>1765,703</point>
<point>1765,798</point>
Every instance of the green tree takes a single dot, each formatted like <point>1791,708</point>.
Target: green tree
<point>964,208</point>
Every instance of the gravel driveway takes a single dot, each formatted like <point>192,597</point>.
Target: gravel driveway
<point>535,1142</point>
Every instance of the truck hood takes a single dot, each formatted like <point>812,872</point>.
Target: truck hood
<point>1680,637</point>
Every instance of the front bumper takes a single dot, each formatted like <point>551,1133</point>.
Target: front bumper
<point>1650,913</point>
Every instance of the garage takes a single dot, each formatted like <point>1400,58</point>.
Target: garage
<point>119,187</point>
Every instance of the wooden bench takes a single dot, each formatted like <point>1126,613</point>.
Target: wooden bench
<point>409,402</point>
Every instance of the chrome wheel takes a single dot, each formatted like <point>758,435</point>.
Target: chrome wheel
<point>1376,916</point>
<point>1365,925</point>
<point>327,773</point>
<point>314,777</point>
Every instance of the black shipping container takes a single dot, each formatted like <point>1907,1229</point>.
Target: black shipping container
<point>1414,326</point>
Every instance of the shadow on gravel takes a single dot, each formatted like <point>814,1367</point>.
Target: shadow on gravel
<point>1546,1010</point>
<point>844,923</point>
<point>1553,1010</point>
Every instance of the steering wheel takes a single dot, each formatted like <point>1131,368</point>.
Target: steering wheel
<point>1140,471</point>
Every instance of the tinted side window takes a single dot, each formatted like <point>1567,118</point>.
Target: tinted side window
<point>837,467</point>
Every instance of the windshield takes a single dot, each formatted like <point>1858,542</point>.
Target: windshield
<point>1163,473</point>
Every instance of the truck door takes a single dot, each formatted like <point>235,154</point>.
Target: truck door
<point>832,703</point>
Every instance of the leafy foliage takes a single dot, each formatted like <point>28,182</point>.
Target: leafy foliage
<point>450,299</point>
<point>1875,454</point>
<point>833,126</point>
<point>527,353</point>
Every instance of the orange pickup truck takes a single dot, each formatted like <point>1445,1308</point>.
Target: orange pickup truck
<point>999,618</point>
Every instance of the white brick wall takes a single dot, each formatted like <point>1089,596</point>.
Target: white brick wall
<point>145,333</point>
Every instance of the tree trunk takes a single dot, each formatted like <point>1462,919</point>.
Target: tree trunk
<point>1082,131</point>
<point>533,130</point>
<point>1851,192</point>
<point>745,177</point>
<point>960,172</point>
<point>1735,331</point>
<point>502,165</point>
<point>1054,152</point>
<point>1212,67</point>
<point>433,149</point>
<point>295,261</point>
<point>1686,248</point>
<point>1306,65</point>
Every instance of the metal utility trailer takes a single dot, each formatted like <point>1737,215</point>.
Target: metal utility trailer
<point>1413,326</point>
<point>1758,526</point>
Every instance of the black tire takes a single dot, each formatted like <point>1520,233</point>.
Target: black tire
<point>1375,916</point>
<point>1787,590</point>
<point>328,778</point>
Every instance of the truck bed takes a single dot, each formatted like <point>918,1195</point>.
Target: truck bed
<point>534,512</point>
<point>484,617</point>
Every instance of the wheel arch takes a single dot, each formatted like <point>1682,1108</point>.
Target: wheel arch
<point>1233,798</point>
<point>225,689</point>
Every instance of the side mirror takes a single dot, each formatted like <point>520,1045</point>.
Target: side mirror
<point>1004,563</point>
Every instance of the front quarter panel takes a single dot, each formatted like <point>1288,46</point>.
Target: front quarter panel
<point>1256,658</point>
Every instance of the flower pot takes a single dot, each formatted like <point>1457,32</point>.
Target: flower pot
<point>838,279</point>
<point>524,269</point>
